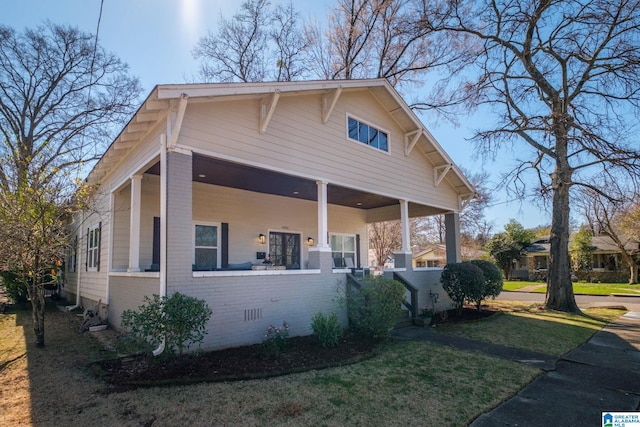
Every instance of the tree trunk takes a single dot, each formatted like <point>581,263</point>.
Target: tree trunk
<point>633,276</point>
<point>37,311</point>
<point>559,286</point>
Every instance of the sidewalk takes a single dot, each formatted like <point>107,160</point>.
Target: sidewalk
<point>601,375</point>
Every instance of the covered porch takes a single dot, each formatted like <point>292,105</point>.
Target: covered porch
<point>228,216</point>
<point>224,219</point>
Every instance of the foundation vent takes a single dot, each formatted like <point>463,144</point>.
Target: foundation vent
<point>252,314</point>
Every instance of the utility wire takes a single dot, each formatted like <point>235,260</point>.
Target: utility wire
<point>91,72</point>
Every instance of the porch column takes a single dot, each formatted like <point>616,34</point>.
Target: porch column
<point>323,227</point>
<point>320,255</point>
<point>134,223</point>
<point>452,237</point>
<point>179,231</point>
<point>403,258</point>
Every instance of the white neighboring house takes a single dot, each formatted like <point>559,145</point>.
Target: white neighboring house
<point>207,181</point>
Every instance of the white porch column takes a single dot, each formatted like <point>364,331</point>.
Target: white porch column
<point>320,254</point>
<point>323,227</point>
<point>452,237</point>
<point>134,223</point>
<point>406,231</point>
<point>403,258</point>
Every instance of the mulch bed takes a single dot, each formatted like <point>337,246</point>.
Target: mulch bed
<point>249,362</point>
<point>240,363</point>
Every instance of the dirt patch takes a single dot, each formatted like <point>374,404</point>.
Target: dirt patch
<point>301,354</point>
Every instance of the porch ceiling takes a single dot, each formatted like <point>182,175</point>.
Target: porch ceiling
<point>228,174</point>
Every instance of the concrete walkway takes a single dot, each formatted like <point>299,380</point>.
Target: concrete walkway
<point>601,375</point>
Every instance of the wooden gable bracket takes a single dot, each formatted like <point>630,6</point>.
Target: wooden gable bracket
<point>267,107</point>
<point>439,173</point>
<point>329,101</point>
<point>124,145</point>
<point>411,139</point>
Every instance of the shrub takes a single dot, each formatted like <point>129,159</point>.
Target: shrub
<point>492,280</point>
<point>16,291</point>
<point>327,329</point>
<point>180,319</point>
<point>374,309</point>
<point>275,341</point>
<point>463,282</point>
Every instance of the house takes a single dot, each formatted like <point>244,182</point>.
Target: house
<point>607,264</point>
<point>256,198</point>
<point>436,256</point>
<point>433,256</point>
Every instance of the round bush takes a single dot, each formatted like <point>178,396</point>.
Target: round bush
<point>492,279</point>
<point>463,282</point>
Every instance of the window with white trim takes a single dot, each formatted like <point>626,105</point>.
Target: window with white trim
<point>206,251</point>
<point>362,132</point>
<point>343,249</point>
<point>73,256</point>
<point>93,248</point>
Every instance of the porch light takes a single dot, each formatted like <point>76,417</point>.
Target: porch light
<point>262,239</point>
<point>310,241</point>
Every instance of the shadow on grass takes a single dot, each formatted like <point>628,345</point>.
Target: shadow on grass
<point>54,372</point>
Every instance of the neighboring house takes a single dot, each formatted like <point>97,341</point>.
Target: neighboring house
<point>433,256</point>
<point>436,256</point>
<point>208,181</point>
<point>607,264</point>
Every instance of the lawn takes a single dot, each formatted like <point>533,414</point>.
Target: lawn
<point>531,327</point>
<point>578,288</point>
<point>412,383</point>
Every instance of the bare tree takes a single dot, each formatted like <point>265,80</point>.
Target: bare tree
<point>473,227</point>
<point>381,39</point>
<point>606,215</point>
<point>256,44</point>
<point>61,97</point>
<point>290,44</point>
<point>564,79</point>
<point>237,51</point>
<point>384,239</point>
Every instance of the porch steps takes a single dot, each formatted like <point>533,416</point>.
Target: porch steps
<point>404,320</point>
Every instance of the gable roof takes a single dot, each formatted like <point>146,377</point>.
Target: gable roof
<point>165,99</point>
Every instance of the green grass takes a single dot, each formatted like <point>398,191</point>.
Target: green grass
<point>578,288</point>
<point>407,383</point>
<point>531,327</point>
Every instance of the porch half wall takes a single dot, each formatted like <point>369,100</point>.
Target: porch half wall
<point>244,303</point>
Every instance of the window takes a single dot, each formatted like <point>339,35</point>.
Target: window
<point>366,134</point>
<point>343,250</point>
<point>73,256</point>
<point>540,262</point>
<point>93,248</point>
<point>206,254</point>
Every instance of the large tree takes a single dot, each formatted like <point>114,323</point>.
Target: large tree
<point>61,98</point>
<point>563,79</point>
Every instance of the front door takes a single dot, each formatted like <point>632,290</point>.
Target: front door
<point>284,249</point>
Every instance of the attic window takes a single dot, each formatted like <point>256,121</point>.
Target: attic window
<point>367,134</point>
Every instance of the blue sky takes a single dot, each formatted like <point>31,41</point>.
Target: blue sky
<point>155,37</point>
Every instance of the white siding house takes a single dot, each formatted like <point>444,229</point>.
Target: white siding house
<point>208,181</point>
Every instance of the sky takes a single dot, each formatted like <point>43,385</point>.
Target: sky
<point>156,37</point>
